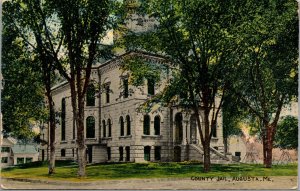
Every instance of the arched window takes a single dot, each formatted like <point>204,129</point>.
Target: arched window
<point>147,151</point>
<point>121,126</point>
<point>157,125</point>
<point>128,125</point>
<point>109,127</point>
<point>104,128</point>
<point>63,119</point>
<point>90,127</point>
<point>146,125</point>
<point>90,95</point>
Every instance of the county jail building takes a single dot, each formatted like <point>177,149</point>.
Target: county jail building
<point>117,131</point>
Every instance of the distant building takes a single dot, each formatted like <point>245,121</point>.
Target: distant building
<point>13,153</point>
<point>249,148</point>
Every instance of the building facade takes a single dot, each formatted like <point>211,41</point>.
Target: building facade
<point>13,153</point>
<point>116,130</point>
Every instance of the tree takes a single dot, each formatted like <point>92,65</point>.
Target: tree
<point>268,67</point>
<point>67,37</point>
<point>287,133</point>
<point>23,94</point>
<point>197,38</point>
<point>26,19</point>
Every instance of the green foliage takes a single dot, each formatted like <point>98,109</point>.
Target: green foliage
<point>200,47</point>
<point>287,133</point>
<point>23,95</point>
<point>140,70</point>
<point>268,67</point>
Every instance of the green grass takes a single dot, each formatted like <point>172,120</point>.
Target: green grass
<point>68,171</point>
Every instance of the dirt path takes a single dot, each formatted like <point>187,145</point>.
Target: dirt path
<point>287,182</point>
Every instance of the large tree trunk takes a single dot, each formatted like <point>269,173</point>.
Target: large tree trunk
<point>80,138</point>
<point>268,144</point>
<point>206,146</point>
<point>206,149</point>
<point>52,130</point>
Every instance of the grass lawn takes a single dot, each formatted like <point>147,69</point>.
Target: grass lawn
<point>147,170</point>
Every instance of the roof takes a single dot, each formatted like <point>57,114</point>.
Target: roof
<point>140,52</point>
<point>8,141</point>
<point>24,149</point>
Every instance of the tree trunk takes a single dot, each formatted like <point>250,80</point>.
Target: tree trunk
<point>206,146</point>
<point>264,149</point>
<point>268,145</point>
<point>80,138</point>
<point>206,149</point>
<point>269,149</point>
<point>52,131</point>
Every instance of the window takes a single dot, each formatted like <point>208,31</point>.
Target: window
<point>73,152</point>
<point>28,160</point>
<point>107,92</point>
<point>150,85</point>
<point>121,153</point>
<point>146,125</point>
<point>157,125</point>
<point>63,152</point>
<point>109,127</point>
<point>125,85</point>
<point>104,128</point>
<point>4,160</point>
<point>157,151</point>
<point>74,129</point>
<point>63,119</point>
<point>90,127</point>
<point>108,153</point>
<point>238,154</point>
<point>121,126</point>
<point>127,149</point>
<point>178,128</point>
<point>128,125</point>
<point>90,95</point>
<point>5,150</point>
<point>147,150</point>
<point>214,131</point>
<point>193,129</point>
<point>20,160</point>
<point>43,154</point>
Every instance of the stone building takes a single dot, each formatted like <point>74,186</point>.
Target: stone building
<point>115,130</point>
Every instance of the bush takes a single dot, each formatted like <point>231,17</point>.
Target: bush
<point>32,164</point>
